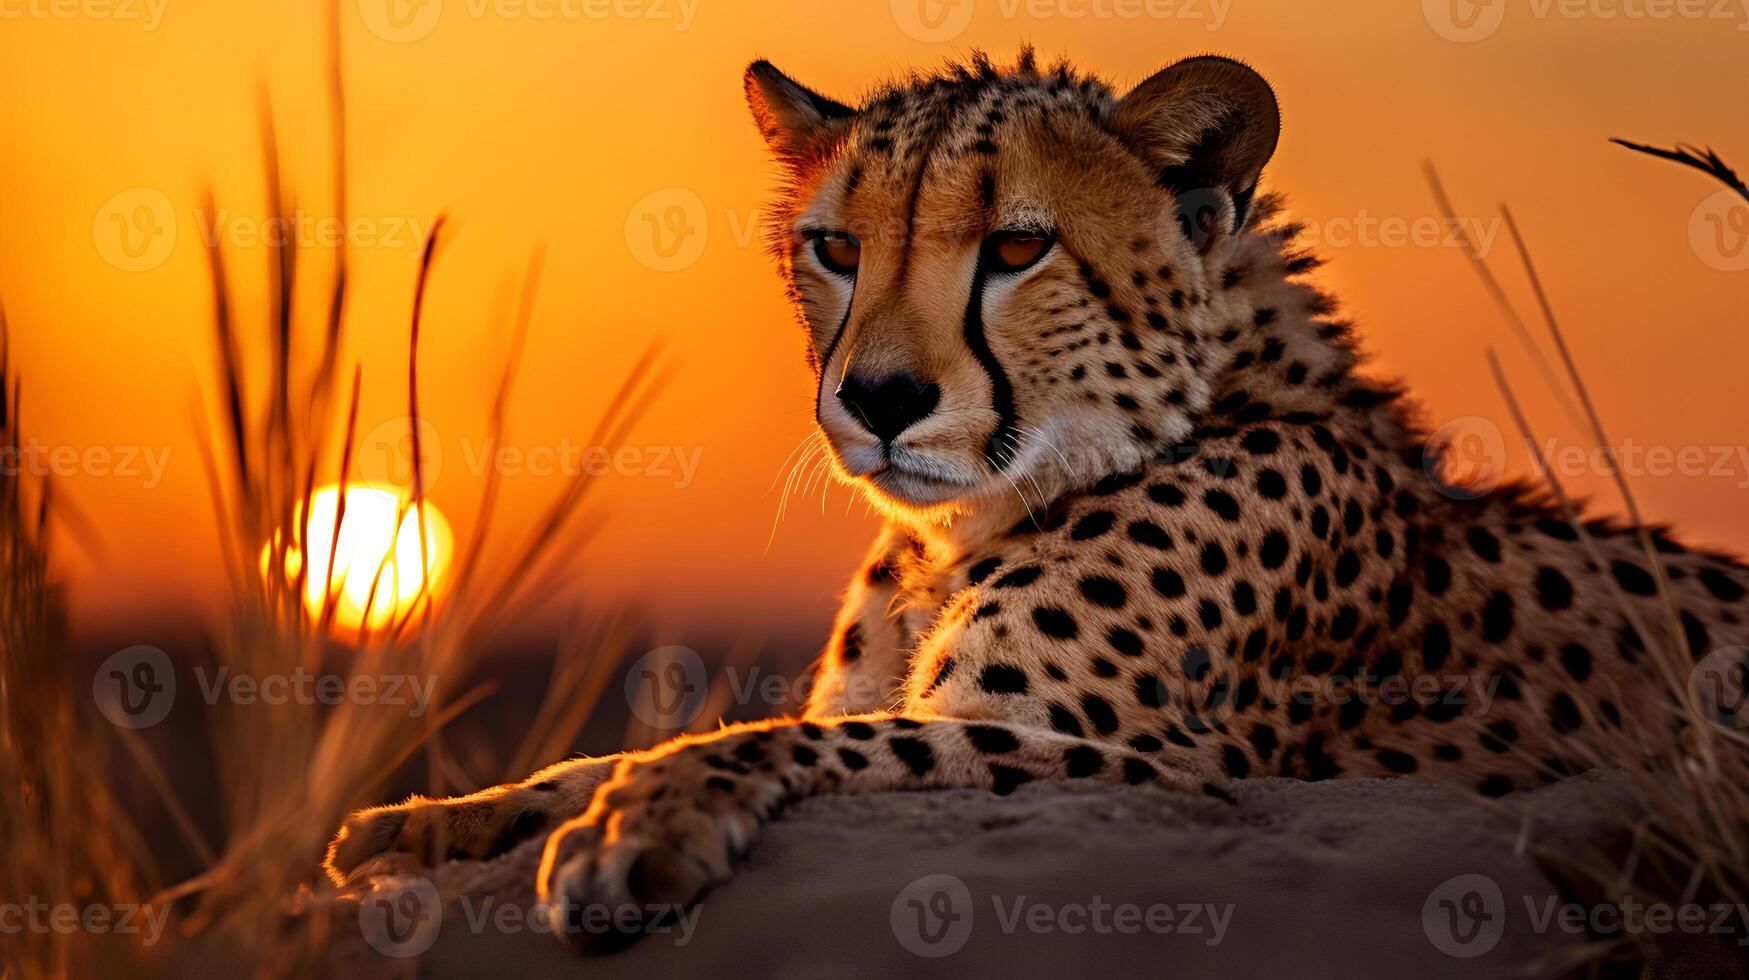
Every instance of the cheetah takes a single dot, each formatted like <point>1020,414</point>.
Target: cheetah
<point>1145,522</point>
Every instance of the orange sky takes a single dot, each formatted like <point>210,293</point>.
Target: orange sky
<point>544,119</point>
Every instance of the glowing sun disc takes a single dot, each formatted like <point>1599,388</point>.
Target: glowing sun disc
<point>375,572</point>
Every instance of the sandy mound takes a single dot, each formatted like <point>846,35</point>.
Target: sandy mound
<point>1344,879</point>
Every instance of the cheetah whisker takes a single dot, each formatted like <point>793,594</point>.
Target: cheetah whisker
<point>1029,514</point>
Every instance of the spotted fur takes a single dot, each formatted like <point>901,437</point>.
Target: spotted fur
<point>1151,526</point>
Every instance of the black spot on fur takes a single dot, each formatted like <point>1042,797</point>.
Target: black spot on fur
<point>1082,761</point>
<point>1234,760</point>
<point>1002,679</point>
<point>1064,722</point>
<point>992,740</point>
<point>1007,779</point>
<point>1552,589</point>
<point>1497,618</point>
<point>1054,623</point>
<point>1092,526</point>
<point>1634,579</point>
<point>913,752</point>
<point>1150,534</point>
<point>1103,591</point>
<point>1099,713</point>
<point>1395,761</point>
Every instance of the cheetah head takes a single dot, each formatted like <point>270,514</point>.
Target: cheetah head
<point>1002,273</point>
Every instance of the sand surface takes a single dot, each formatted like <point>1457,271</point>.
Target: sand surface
<point>1343,879</point>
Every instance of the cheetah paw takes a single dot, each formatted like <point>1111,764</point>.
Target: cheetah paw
<point>657,837</point>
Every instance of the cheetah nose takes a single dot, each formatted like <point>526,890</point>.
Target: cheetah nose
<point>890,405</point>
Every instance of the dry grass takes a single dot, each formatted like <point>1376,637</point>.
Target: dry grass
<point>288,773</point>
<point>1685,817</point>
<point>291,772</point>
<point>68,839</point>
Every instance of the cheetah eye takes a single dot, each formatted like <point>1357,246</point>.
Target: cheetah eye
<point>838,251</point>
<point>1012,251</point>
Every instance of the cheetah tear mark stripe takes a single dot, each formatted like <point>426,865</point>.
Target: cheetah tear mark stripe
<point>1005,439</point>
<point>832,347</point>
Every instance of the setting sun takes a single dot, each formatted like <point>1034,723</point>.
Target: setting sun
<point>375,570</point>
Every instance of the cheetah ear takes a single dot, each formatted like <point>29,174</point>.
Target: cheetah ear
<point>799,124</point>
<point>1209,124</point>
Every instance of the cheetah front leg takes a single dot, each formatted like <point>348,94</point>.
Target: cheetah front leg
<point>670,821</point>
<point>423,832</point>
<point>860,671</point>
<point>863,666</point>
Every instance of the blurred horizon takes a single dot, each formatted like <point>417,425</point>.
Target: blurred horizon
<point>615,137</point>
